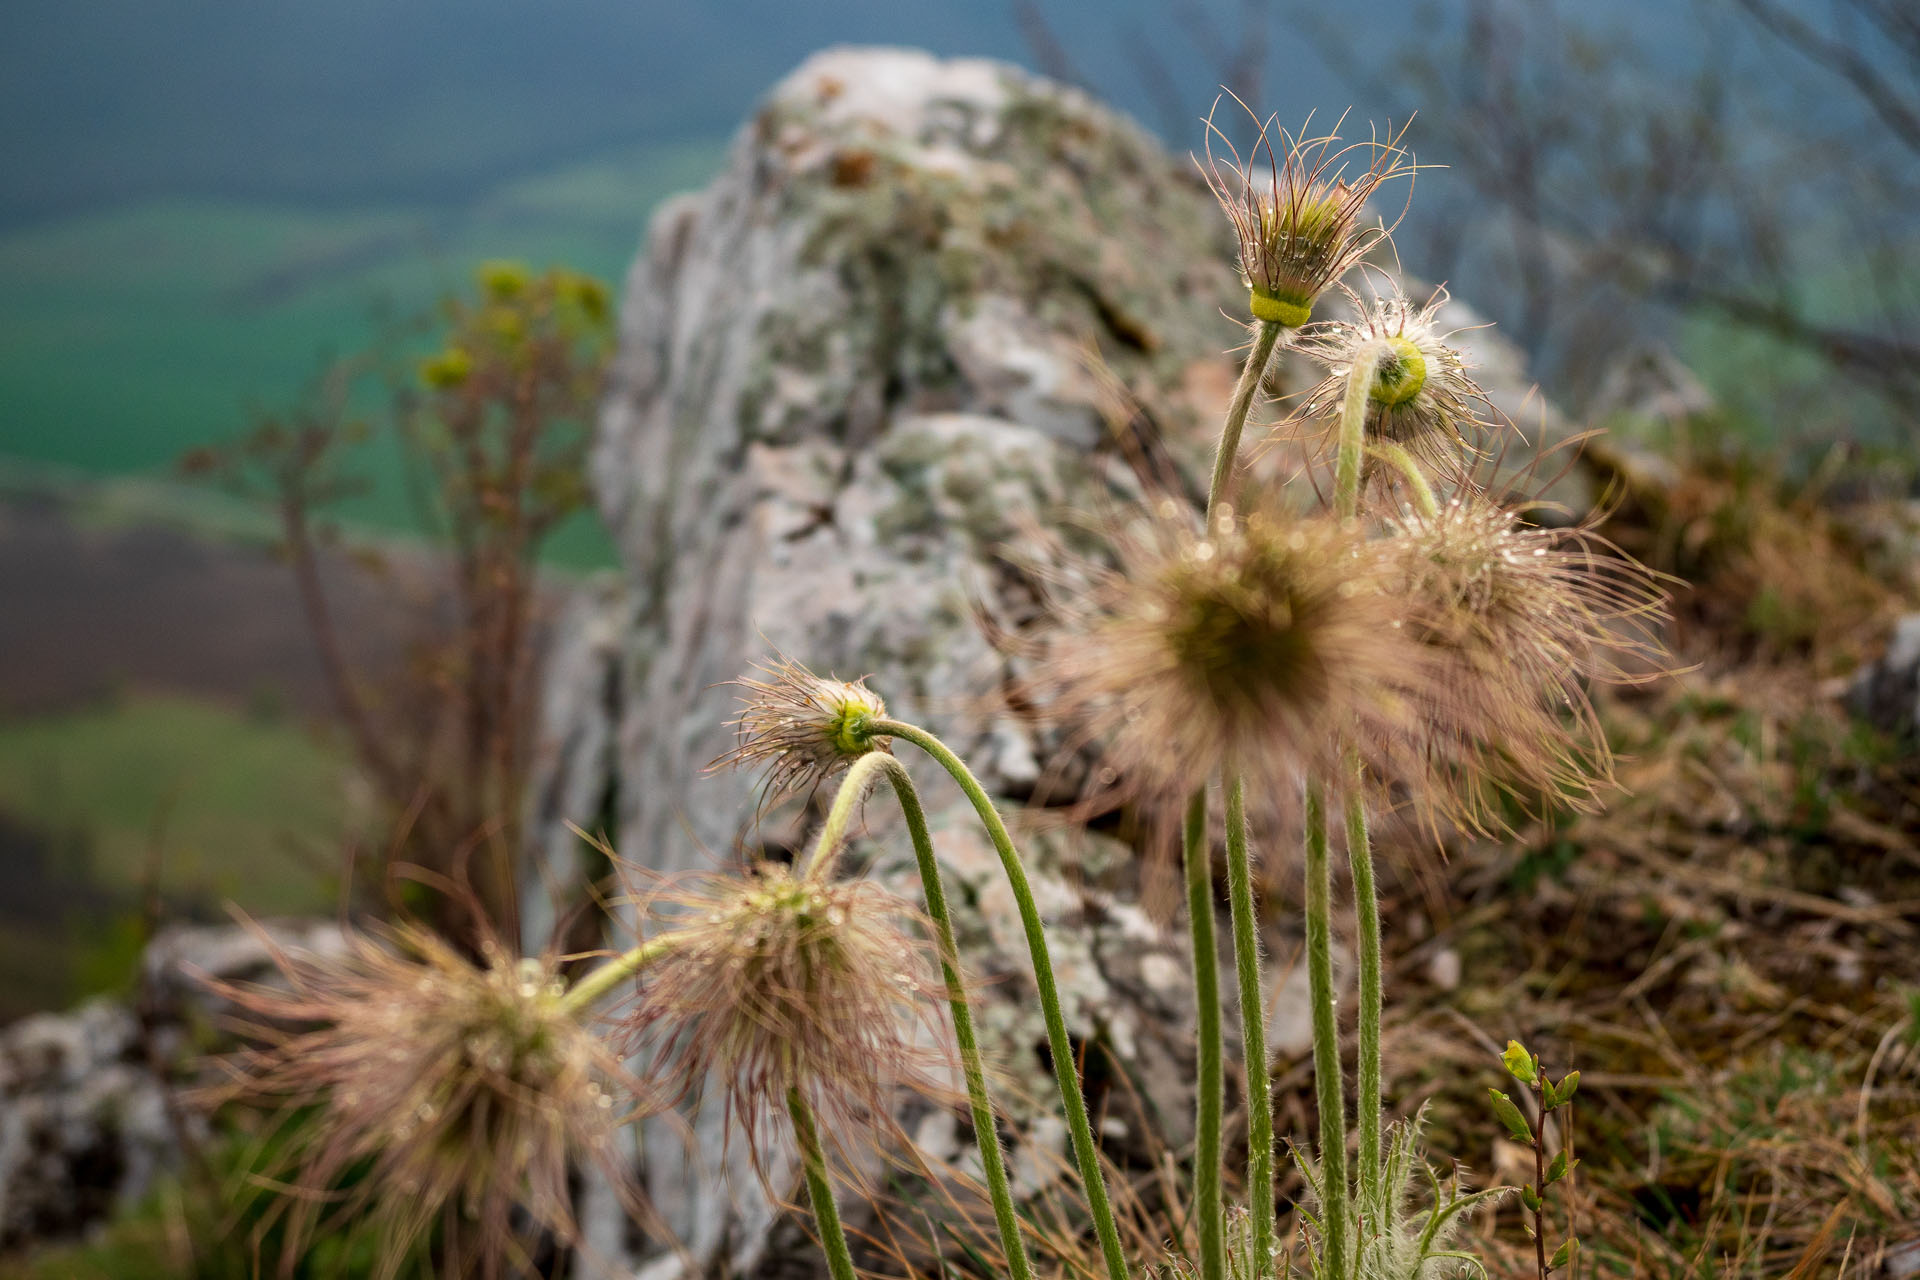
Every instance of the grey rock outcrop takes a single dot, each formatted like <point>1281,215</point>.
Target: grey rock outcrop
<point>88,1115</point>
<point>925,301</point>
<point>83,1122</point>
<point>1886,694</point>
<point>1650,382</point>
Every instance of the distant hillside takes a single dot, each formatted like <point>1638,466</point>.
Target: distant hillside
<point>203,198</point>
<point>132,334</point>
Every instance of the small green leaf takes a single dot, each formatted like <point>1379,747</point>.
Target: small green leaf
<point>1520,1064</point>
<point>1557,1169</point>
<point>1511,1117</point>
<point>1561,1094</point>
<point>1530,1198</point>
<point>1564,1254</point>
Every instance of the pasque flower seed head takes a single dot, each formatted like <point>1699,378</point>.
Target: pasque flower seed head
<point>1296,210</point>
<point>1520,619</point>
<point>468,1093</point>
<point>803,729</point>
<point>1264,647</point>
<point>773,980</point>
<point>1421,397</point>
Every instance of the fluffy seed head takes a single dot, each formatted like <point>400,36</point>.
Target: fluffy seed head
<point>1266,646</point>
<point>469,1092</point>
<point>1296,212</point>
<point>774,981</point>
<point>1519,619</point>
<point>803,729</point>
<point>1422,398</point>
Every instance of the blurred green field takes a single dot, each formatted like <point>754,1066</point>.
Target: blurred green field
<point>196,803</point>
<point>242,805</point>
<point>128,336</point>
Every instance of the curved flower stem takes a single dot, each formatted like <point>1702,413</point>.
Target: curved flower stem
<point>1253,1028</point>
<point>1209,1091</point>
<point>861,775</point>
<point>986,1132</point>
<point>1396,456</point>
<point>1366,910</point>
<point>833,1237</point>
<point>1065,1066</point>
<point>1228,450</point>
<point>1353,430</point>
<point>585,993</point>
<point>1328,1088</point>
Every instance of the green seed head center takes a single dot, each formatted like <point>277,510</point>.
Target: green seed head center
<point>851,729</point>
<point>1401,375</point>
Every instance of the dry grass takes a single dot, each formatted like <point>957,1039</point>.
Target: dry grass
<point>1728,949</point>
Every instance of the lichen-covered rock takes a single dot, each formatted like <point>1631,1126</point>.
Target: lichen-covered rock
<point>1649,383</point>
<point>86,1114</point>
<point>927,305</point>
<point>179,963</point>
<point>83,1122</point>
<point>1886,694</point>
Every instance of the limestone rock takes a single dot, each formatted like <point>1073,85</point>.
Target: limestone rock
<point>1650,382</point>
<point>177,964</point>
<point>1887,693</point>
<point>87,1112</point>
<point>83,1123</point>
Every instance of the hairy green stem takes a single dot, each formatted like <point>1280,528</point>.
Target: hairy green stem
<point>1366,911</point>
<point>1065,1066</point>
<point>585,993</point>
<point>985,1131</point>
<point>861,775</point>
<point>1206,1171</point>
<point>826,1214</point>
<point>1210,1089</point>
<point>1396,456</point>
<point>1366,903</point>
<point>1328,1089</point>
<point>1353,429</point>
<point>1253,1028</point>
<point>1228,451</point>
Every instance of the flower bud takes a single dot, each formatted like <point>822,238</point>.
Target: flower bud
<point>1296,216</point>
<point>803,729</point>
